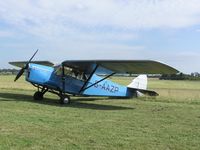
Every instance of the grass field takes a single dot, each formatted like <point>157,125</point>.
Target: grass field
<point>170,121</point>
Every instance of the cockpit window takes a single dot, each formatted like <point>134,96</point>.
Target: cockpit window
<point>70,72</point>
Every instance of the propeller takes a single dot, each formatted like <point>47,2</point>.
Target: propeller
<point>25,67</point>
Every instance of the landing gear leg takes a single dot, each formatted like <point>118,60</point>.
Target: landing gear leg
<point>39,95</point>
<point>64,99</point>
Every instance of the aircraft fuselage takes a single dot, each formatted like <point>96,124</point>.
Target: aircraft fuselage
<point>48,77</point>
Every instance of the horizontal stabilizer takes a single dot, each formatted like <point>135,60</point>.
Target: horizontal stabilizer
<point>22,63</point>
<point>148,92</point>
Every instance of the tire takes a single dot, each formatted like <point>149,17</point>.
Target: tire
<point>38,96</point>
<point>64,99</point>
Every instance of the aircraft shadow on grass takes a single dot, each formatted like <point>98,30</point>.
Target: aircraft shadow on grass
<point>79,102</point>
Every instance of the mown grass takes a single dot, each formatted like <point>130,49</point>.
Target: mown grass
<point>170,121</point>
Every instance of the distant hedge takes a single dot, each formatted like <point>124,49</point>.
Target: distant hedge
<point>8,71</point>
<point>180,76</point>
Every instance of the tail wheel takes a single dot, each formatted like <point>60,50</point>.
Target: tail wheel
<point>38,96</point>
<point>64,99</point>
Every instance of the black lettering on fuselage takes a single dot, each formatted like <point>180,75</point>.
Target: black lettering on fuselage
<point>103,87</point>
<point>116,89</point>
<point>112,89</point>
<point>107,87</point>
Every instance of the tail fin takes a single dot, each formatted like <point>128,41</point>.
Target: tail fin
<point>139,83</point>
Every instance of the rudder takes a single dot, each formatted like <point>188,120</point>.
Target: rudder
<point>139,83</point>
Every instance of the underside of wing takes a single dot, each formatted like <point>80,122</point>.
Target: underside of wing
<point>22,63</point>
<point>122,66</point>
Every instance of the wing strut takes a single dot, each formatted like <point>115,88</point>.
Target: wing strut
<point>99,81</point>
<point>63,78</point>
<point>84,85</point>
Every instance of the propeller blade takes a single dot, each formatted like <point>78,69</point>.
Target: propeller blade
<point>25,67</point>
<point>33,56</point>
<point>19,74</point>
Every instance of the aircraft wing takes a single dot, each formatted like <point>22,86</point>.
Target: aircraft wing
<point>121,66</point>
<point>22,63</point>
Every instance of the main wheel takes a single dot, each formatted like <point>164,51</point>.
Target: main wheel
<point>64,99</point>
<point>38,96</point>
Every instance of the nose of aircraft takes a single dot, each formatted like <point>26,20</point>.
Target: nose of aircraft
<point>25,67</point>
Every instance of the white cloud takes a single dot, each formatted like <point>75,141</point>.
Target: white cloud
<point>94,20</point>
<point>91,28</point>
<point>57,16</point>
<point>97,20</point>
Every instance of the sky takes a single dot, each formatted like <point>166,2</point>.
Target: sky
<point>163,30</point>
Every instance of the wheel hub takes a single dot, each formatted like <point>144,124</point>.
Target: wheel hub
<point>66,100</point>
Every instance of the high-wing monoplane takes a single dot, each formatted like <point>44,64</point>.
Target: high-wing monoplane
<point>89,77</point>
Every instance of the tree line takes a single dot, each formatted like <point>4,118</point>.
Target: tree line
<point>8,71</point>
<point>180,76</point>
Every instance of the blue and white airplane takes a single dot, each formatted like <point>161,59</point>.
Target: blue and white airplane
<point>82,77</point>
